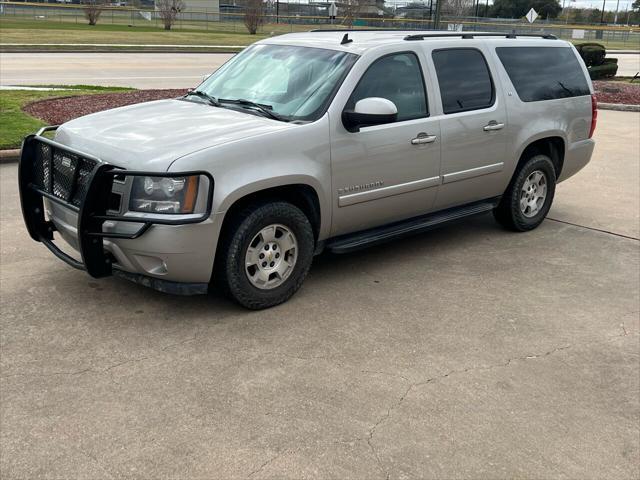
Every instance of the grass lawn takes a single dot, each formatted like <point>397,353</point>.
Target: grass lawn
<point>118,27</point>
<point>31,31</point>
<point>15,124</point>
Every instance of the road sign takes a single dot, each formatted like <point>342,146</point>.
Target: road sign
<point>532,15</point>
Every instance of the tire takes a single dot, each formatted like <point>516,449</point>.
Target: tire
<point>510,212</point>
<point>255,228</point>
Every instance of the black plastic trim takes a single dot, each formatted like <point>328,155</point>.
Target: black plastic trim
<point>386,233</point>
<point>165,286</point>
<point>471,35</point>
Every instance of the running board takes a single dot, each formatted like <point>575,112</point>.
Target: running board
<point>366,238</point>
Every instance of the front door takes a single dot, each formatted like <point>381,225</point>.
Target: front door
<point>389,172</point>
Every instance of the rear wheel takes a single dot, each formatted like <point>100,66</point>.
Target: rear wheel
<point>528,198</point>
<point>267,254</point>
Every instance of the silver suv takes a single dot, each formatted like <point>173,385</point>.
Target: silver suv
<point>329,140</point>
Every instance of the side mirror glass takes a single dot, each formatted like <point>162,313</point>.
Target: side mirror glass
<point>369,111</point>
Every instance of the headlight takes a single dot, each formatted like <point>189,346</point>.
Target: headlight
<point>164,194</point>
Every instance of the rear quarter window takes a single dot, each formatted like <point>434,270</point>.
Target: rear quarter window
<point>543,73</point>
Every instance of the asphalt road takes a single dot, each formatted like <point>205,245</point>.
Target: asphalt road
<point>140,70</point>
<point>468,352</point>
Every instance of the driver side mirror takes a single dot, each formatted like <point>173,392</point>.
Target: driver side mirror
<point>369,111</point>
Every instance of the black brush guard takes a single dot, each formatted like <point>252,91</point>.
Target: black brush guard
<point>83,184</point>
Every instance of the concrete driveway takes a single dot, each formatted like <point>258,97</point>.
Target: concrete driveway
<point>468,352</point>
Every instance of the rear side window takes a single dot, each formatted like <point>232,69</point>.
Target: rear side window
<point>464,78</point>
<point>398,78</point>
<point>543,73</point>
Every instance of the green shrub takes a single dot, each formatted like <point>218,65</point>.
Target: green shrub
<point>606,70</point>
<point>592,53</point>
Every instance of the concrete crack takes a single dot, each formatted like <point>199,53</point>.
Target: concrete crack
<point>103,370</point>
<point>266,464</point>
<point>396,405</point>
<point>608,232</point>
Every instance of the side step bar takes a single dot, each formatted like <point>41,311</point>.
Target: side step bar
<point>367,238</point>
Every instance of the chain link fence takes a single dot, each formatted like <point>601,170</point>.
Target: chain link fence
<point>283,20</point>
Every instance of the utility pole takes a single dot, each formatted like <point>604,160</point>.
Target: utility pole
<point>436,21</point>
<point>602,15</point>
<point>615,19</point>
<point>431,10</point>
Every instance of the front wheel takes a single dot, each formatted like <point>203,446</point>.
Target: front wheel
<point>267,254</point>
<point>528,198</point>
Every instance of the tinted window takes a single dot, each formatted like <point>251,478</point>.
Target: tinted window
<point>465,82</point>
<point>543,73</point>
<point>397,78</point>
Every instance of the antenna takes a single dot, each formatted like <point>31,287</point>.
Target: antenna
<point>346,39</point>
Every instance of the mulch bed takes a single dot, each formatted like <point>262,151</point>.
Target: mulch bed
<point>617,92</point>
<point>56,111</point>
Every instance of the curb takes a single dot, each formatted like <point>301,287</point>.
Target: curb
<point>10,156</point>
<point>618,107</point>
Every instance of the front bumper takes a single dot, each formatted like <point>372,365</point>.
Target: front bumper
<point>70,192</point>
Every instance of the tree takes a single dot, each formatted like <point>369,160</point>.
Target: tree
<point>92,10</point>
<point>253,15</point>
<point>169,11</point>
<point>636,6</point>
<point>457,8</point>
<point>351,10</point>
<point>519,8</point>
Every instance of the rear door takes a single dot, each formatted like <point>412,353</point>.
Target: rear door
<point>473,126</point>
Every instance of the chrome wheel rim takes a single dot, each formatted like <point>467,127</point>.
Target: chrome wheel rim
<point>533,193</point>
<point>271,257</point>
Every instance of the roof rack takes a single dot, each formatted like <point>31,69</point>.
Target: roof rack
<point>469,35</point>
<point>316,30</point>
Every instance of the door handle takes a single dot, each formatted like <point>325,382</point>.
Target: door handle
<point>423,138</point>
<point>493,125</point>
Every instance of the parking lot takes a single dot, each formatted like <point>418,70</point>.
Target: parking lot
<point>469,352</point>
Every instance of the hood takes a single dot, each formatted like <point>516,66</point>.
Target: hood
<point>151,136</point>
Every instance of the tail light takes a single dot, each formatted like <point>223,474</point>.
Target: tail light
<point>594,114</point>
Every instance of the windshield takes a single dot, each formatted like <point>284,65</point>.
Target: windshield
<point>295,83</point>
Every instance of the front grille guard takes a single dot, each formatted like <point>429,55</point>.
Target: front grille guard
<point>87,193</point>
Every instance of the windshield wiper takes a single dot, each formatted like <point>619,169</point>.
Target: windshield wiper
<point>266,109</point>
<point>199,93</point>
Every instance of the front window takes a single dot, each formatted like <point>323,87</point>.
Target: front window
<point>295,83</point>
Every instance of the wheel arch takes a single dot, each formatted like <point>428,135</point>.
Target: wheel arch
<point>552,144</point>
<point>301,194</point>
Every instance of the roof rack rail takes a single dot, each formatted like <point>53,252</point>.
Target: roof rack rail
<point>469,35</point>
<point>349,30</point>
